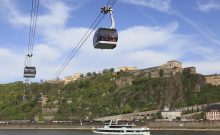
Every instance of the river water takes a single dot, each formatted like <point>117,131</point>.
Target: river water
<point>74,132</point>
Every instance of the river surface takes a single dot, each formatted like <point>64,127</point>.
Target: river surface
<point>74,132</point>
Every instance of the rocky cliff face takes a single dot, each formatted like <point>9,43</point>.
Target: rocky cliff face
<point>162,91</point>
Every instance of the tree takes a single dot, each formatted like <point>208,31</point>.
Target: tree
<point>158,115</point>
<point>105,71</point>
<point>89,74</point>
<point>57,79</point>
<point>112,70</point>
<point>94,74</point>
<point>161,72</point>
<point>149,75</point>
<point>42,81</point>
<point>126,109</point>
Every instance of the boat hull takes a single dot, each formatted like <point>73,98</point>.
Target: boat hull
<point>122,133</point>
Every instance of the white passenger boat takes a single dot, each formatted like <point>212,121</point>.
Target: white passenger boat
<point>114,128</point>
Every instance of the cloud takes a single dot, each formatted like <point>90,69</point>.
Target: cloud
<point>208,5</point>
<point>203,31</point>
<point>64,38</point>
<point>165,6</point>
<point>11,67</point>
<point>205,67</point>
<point>57,15</point>
<point>153,36</point>
<point>160,5</point>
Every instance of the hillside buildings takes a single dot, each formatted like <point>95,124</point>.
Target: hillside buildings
<point>43,100</point>
<point>126,68</point>
<point>213,112</point>
<point>170,114</point>
<point>72,78</point>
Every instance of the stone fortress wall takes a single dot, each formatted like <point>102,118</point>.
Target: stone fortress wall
<point>213,79</point>
<point>169,69</point>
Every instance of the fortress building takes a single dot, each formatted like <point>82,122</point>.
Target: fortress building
<point>171,68</point>
<point>126,68</point>
<point>213,79</point>
<point>168,69</point>
<point>72,78</point>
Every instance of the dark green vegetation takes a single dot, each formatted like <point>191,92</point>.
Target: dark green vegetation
<point>104,94</point>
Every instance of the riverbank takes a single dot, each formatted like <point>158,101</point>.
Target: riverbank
<point>154,126</point>
<point>183,125</point>
<point>89,129</point>
<point>34,126</point>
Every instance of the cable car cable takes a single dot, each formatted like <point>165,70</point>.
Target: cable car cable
<point>77,49</point>
<point>30,71</point>
<point>72,52</point>
<point>35,23</point>
<point>79,42</point>
<point>30,30</point>
<point>79,45</point>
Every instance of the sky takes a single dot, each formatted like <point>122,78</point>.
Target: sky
<point>151,32</point>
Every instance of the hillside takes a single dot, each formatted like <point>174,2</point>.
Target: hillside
<point>104,94</point>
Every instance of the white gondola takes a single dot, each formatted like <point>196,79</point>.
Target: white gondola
<point>29,72</point>
<point>106,38</point>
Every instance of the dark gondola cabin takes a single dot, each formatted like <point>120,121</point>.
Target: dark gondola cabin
<point>105,38</point>
<point>29,72</point>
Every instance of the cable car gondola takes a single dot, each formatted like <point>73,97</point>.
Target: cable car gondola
<point>106,38</point>
<point>29,72</point>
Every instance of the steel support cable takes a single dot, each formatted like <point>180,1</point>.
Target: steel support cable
<point>113,3</point>
<point>35,23</point>
<point>82,41</point>
<point>32,26</point>
<point>30,30</point>
<point>77,49</point>
<point>68,60</point>
<point>72,52</point>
